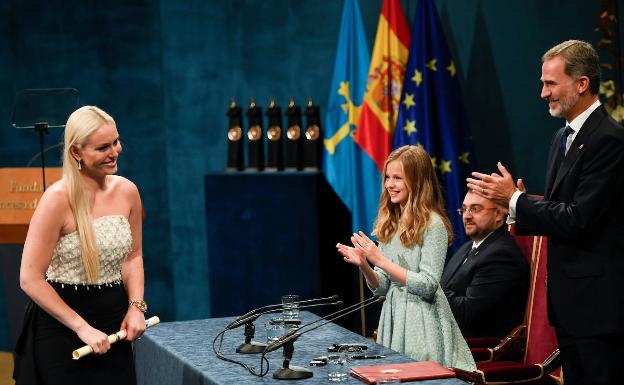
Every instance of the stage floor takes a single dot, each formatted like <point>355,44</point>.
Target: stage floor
<point>6,368</point>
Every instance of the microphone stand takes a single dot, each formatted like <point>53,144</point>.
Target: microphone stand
<point>253,347</point>
<point>42,109</point>
<point>42,128</point>
<point>288,372</point>
<point>249,346</point>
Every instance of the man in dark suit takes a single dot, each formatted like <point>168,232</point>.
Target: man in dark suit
<point>486,281</point>
<point>582,215</point>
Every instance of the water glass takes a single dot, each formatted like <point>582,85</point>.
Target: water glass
<point>290,306</point>
<point>338,367</point>
<point>275,328</point>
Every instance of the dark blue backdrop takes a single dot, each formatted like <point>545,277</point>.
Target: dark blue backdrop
<point>167,69</point>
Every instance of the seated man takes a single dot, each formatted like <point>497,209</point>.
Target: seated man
<point>486,281</point>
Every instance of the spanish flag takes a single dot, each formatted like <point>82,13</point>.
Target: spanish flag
<point>385,80</point>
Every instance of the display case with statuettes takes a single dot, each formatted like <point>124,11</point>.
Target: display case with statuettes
<point>275,148</point>
<point>312,140</point>
<point>255,145</point>
<point>236,159</point>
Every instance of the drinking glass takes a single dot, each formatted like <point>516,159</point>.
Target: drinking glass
<point>275,328</point>
<point>338,367</point>
<point>291,307</point>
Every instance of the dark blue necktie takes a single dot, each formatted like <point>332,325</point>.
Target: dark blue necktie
<point>562,146</point>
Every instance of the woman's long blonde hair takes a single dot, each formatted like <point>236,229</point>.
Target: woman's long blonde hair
<point>80,125</point>
<point>424,197</point>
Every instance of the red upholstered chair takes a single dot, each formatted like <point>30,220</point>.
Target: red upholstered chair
<point>533,344</point>
<point>514,344</point>
<point>511,347</point>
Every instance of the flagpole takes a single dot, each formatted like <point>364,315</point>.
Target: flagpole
<point>362,310</point>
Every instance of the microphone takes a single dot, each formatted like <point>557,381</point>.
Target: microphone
<point>294,334</point>
<point>278,306</point>
<point>288,372</point>
<point>251,347</point>
<point>252,317</point>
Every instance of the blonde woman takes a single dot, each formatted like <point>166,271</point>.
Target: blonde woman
<point>414,232</point>
<point>82,264</point>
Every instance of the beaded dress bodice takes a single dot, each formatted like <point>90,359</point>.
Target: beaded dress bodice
<point>114,242</point>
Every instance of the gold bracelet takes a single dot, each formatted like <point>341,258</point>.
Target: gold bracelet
<point>139,304</point>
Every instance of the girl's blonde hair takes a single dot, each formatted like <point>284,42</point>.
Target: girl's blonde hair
<point>80,125</point>
<point>424,197</point>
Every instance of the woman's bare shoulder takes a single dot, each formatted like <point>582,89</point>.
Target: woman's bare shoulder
<point>53,209</point>
<point>55,197</point>
<point>123,183</point>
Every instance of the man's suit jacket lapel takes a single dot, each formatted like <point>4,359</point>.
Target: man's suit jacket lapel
<point>551,170</point>
<point>576,148</point>
<point>455,262</point>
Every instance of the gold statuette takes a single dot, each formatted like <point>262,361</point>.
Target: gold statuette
<point>254,133</point>
<point>235,134</point>
<point>313,132</point>
<point>274,133</point>
<point>294,132</point>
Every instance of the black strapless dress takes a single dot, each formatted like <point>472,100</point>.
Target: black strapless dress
<point>46,345</point>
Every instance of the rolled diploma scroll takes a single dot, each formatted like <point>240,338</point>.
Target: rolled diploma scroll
<point>120,335</point>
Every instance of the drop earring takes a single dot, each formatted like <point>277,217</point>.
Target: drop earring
<point>79,164</point>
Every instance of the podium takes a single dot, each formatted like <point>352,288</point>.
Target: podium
<point>20,191</point>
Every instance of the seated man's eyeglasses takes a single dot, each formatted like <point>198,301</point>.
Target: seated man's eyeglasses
<point>473,210</point>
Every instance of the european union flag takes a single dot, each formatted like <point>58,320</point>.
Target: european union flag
<point>348,169</point>
<point>432,112</point>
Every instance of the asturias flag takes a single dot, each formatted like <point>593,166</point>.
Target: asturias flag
<point>348,169</point>
<point>432,112</point>
<point>385,80</point>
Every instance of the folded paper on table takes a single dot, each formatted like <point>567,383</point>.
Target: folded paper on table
<point>410,371</point>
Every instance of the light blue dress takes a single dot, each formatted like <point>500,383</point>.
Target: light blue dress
<point>416,319</point>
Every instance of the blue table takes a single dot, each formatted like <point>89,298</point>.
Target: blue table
<point>180,353</point>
